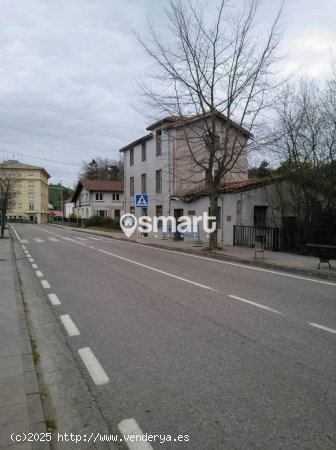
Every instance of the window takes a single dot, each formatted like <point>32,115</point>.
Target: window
<point>30,174</point>
<point>30,184</point>
<point>31,207</point>
<point>131,186</point>
<point>143,151</point>
<point>132,209</point>
<point>158,181</point>
<point>31,195</point>
<point>143,184</point>
<point>158,213</point>
<point>101,213</point>
<point>158,143</point>
<point>99,196</point>
<point>260,213</point>
<point>115,197</point>
<point>131,156</point>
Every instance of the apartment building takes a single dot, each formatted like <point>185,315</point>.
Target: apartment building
<point>160,164</point>
<point>31,186</point>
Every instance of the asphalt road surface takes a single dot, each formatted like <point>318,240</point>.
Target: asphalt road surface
<point>227,356</point>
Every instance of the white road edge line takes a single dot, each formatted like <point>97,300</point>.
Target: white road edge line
<point>255,304</point>
<point>159,271</point>
<point>28,255</point>
<point>322,327</point>
<point>23,247</point>
<point>16,233</point>
<point>93,366</point>
<point>69,325</point>
<point>34,266</point>
<point>54,299</point>
<point>129,427</point>
<point>39,273</point>
<point>31,260</point>
<point>45,284</point>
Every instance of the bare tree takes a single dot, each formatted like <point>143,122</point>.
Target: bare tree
<point>220,73</point>
<point>304,141</point>
<point>8,193</point>
<point>103,169</point>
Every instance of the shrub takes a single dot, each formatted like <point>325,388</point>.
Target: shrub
<point>104,222</point>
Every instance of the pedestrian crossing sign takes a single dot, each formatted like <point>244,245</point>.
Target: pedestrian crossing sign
<point>141,200</point>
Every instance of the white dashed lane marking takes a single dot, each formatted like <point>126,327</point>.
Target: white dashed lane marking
<point>69,325</point>
<point>39,273</point>
<point>129,427</point>
<point>255,304</point>
<point>54,299</point>
<point>93,366</point>
<point>316,325</point>
<point>45,284</point>
<point>38,240</point>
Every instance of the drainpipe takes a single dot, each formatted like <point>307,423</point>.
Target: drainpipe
<point>222,199</point>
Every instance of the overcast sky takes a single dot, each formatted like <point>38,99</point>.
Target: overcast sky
<point>68,72</point>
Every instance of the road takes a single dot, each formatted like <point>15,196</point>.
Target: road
<point>234,357</point>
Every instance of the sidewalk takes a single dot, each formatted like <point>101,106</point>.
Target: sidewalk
<point>289,262</point>
<point>20,403</point>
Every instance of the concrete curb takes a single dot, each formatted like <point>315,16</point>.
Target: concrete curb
<point>34,403</point>
<point>215,255</point>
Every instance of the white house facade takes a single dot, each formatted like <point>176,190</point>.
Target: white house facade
<point>159,165</point>
<point>103,198</point>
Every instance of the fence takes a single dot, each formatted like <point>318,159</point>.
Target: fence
<point>283,239</point>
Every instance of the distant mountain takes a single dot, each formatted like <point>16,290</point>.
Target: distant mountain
<point>55,193</point>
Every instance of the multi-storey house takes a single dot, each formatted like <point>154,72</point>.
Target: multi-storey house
<point>31,187</point>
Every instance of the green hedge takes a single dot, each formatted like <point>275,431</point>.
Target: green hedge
<point>104,222</point>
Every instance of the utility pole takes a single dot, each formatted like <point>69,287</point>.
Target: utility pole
<point>62,203</point>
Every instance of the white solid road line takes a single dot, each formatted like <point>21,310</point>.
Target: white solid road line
<point>16,234</point>
<point>39,273</point>
<point>255,304</point>
<point>34,266</point>
<point>54,299</point>
<point>322,327</point>
<point>245,266</point>
<point>129,427</point>
<point>93,366</point>
<point>159,271</point>
<point>30,259</point>
<point>69,325</point>
<point>45,284</point>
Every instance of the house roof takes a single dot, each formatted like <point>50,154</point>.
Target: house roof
<point>176,121</point>
<point>137,142</point>
<point>235,186</point>
<point>14,164</point>
<point>97,185</point>
<point>169,120</point>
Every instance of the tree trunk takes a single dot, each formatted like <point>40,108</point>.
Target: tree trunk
<point>213,240</point>
<point>3,217</point>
